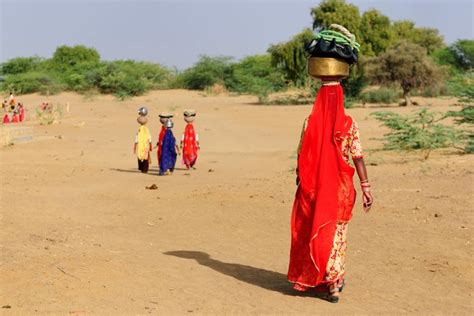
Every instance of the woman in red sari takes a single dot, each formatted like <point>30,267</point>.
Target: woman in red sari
<point>190,140</point>
<point>325,195</point>
<point>21,111</point>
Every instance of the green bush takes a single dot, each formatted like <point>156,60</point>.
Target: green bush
<point>469,149</point>
<point>439,89</point>
<point>460,84</point>
<point>463,116</point>
<point>255,75</point>
<point>349,102</point>
<point>21,65</point>
<point>463,51</point>
<point>77,82</point>
<point>79,69</point>
<point>126,78</point>
<point>419,131</point>
<point>355,83</point>
<point>381,95</point>
<point>120,79</point>
<point>291,57</point>
<point>466,97</point>
<point>206,72</point>
<point>299,99</point>
<point>31,82</point>
<point>459,55</point>
<point>263,98</point>
<point>407,65</point>
<point>52,88</point>
<point>464,88</point>
<point>435,91</point>
<point>66,57</point>
<point>445,57</point>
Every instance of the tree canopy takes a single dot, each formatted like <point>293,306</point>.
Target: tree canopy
<point>68,56</point>
<point>20,65</point>
<point>406,64</point>
<point>376,34</point>
<point>336,11</point>
<point>207,72</point>
<point>428,38</point>
<point>463,51</point>
<point>291,57</point>
<point>79,68</point>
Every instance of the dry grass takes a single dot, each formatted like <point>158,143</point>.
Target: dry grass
<point>5,137</point>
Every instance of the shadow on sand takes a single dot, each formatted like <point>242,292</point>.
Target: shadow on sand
<point>266,279</point>
<point>151,171</point>
<point>180,169</point>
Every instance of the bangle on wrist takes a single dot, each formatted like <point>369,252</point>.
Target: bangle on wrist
<point>365,186</point>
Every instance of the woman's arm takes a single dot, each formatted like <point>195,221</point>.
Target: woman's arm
<point>135,145</point>
<point>364,183</point>
<point>358,159</point>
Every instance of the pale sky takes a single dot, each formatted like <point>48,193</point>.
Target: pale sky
<point>175,33</point>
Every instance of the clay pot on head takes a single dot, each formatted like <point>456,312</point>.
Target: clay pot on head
<point>189,119</point>
<point>189,115</point>
<point>165,117</point>
<point>142,120</point>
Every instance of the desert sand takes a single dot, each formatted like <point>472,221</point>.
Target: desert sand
<point>80,234</point>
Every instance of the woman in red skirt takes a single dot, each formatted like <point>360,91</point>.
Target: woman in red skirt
<point>325,195</point>
<point>190,140</point>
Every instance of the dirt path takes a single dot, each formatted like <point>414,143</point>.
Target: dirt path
<point>80,234</point>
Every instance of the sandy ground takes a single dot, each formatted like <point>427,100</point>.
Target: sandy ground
<point>80,234</point>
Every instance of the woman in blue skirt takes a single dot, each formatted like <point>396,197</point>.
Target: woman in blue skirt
<point>169,151</point>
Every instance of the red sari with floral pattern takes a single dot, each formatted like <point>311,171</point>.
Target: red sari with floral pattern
<point>325,195</point>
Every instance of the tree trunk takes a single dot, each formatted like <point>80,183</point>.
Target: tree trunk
<point>406,96</point>
<point>427,154</point>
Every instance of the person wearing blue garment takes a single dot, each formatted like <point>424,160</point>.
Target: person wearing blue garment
<point>169,151</point>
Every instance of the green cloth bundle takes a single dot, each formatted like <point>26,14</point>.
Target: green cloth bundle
<point>335,42</point>
<point>340,38</point>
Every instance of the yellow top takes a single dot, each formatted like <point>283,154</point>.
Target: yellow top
<point>143,141</point>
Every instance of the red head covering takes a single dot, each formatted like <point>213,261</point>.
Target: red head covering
<point>326,193</point>
<point>160,142</point>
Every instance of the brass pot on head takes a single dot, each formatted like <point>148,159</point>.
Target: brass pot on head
<point>325,68</point>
